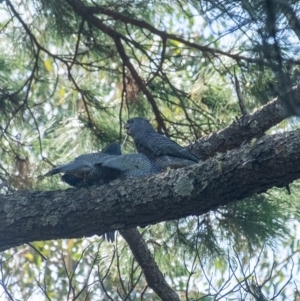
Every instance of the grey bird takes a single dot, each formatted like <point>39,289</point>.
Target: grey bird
<point>128,166</point>
<point>103,167</point>
<point>158,148</point>
<point>86,170</point>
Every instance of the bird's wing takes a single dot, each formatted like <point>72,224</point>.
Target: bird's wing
<point>129,165</point>
<point>125,162</point>
<point>87,164</point>
<point>113,149</point>
<point>93,158</point>
<point>71,179</point>
<point>160,145</point>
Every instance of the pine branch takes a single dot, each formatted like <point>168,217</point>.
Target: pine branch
<point>89,11</point>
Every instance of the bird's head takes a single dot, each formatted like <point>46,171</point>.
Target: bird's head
<point>113,149</point>
<point>136,125</point>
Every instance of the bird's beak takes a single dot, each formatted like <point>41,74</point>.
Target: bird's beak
<point>127,127</point>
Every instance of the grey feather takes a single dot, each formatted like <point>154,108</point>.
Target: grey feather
<point>158,148</point>
<point>86,169</point>
<point>129,166</point>
<point>109,236</point>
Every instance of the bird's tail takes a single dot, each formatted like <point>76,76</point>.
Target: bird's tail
<point>109,236</point>
<point>70,167</point>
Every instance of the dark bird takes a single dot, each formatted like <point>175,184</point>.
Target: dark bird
<point>158,148</point>
<point>86,170</point>
<point>103,167</point>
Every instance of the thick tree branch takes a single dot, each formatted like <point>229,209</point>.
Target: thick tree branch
<point>29,216</point>
<point>143,256</point>
<point>249,126</point>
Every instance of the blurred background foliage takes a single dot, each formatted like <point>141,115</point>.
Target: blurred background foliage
<point>69,79</point>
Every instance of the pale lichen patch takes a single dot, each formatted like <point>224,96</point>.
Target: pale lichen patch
<point>51,220</point>
<point>183,186</point>
<point>253,124</point>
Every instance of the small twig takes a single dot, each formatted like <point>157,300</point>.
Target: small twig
<point>77,42</point>
<point>35,249</point>
<point>123,99</point>
<point>239,95</point>
<point>286,283</point>
<point>143,291</point>
<point>120,277</point>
